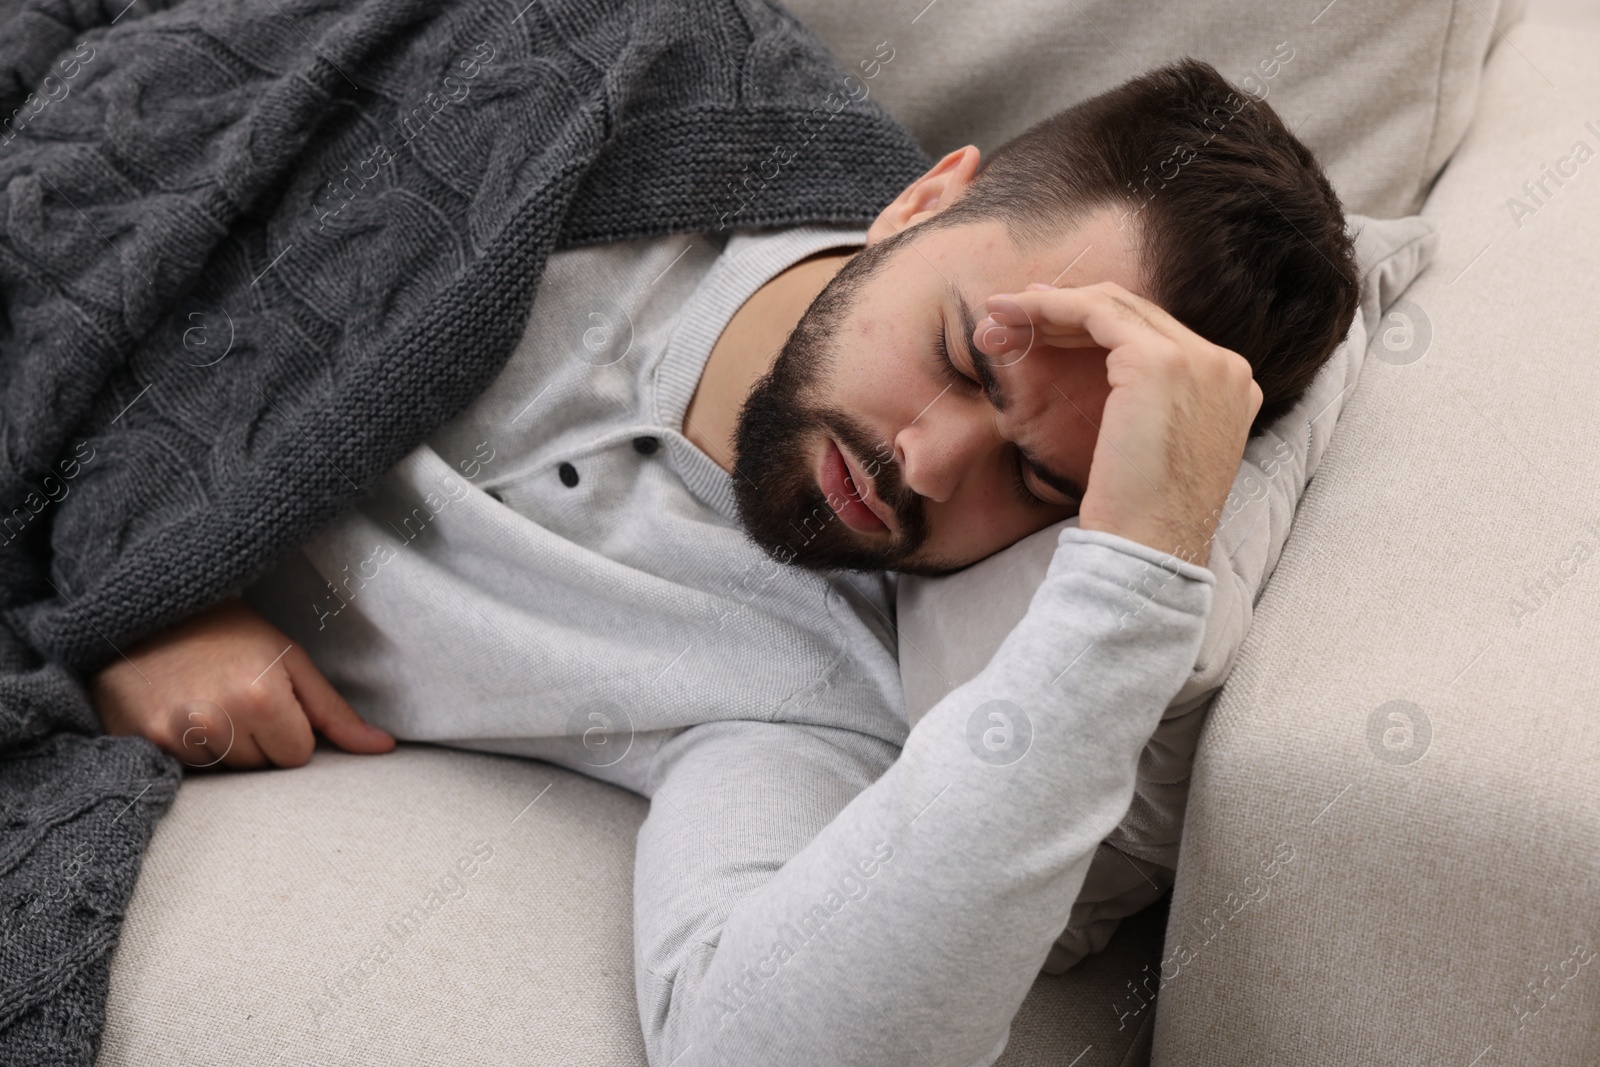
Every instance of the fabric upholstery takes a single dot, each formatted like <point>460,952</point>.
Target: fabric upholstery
<point>1381,91</point>
<point>1412,716</point>
<point>284,917</point>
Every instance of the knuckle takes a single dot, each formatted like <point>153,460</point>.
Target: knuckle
<point>177,724</point>
<point>1106,297</point>
<point>197,731</point>
<point>251,700</point>
<point>297,751</point>
<point>163,731</point>
<point>1124,308</point>
<point>1226,366</point>
<point>1237,363</point>
<point>1166,355</point>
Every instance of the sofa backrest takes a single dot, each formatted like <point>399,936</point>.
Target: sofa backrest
<point>1381,90</point>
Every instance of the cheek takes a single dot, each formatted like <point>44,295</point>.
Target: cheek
<point>1076,417</point>
<point>845,379</point>
<point>1090,386</point>
<point>1078,441</point>
<point>877,375</point>
<point>982,523</point>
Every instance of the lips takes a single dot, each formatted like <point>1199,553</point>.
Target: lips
<point>838,480</point>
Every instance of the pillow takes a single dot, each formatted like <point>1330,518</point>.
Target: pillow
<point>950,627</point>
<point>1381,92</point>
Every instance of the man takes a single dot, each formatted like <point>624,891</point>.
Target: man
<point>660,549</point>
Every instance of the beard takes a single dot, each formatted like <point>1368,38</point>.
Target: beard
<point>780,504</point>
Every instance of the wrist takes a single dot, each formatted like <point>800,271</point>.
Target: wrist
<point>1190,543</point>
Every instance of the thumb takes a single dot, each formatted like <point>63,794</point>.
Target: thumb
<point>329,712</point>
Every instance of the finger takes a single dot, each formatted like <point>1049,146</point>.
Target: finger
<point>244,755</point>
<point>1009,344</point>
<point>1000,332</point>
<point>994,338</point>
<point>1112,317</point>
<point>205,737</point>
<point>1016,315</point>
<point>1000,320</point>
<point>1147,311</point>
<point>279,724</point>
<point>1066,313</point>
<point>331,713</point>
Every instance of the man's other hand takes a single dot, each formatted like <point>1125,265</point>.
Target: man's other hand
<point>1175,423</point>
<point>227,688</point>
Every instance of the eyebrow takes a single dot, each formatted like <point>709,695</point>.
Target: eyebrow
<point>983,365</point>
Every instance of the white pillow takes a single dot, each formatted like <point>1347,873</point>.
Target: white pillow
<point>950,627</point>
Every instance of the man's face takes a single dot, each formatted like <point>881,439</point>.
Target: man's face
<point>860,381</point>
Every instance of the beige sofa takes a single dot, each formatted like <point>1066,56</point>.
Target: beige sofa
<point>1406,742</point>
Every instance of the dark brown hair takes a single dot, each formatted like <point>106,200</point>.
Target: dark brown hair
<point>1241,237</point>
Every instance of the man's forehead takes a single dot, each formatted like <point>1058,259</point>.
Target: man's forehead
<point>981,257</point>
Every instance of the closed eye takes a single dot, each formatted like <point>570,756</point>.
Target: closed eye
<point>941,344</point>
<point>1019,484</point>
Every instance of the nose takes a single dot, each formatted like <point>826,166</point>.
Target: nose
<point>939,446</point>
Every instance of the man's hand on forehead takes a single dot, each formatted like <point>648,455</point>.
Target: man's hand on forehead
<point>1019,322</point>
<point>1174,426</point>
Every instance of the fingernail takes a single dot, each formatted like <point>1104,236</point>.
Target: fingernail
<point>993,337</point>
<point>1003,305</point>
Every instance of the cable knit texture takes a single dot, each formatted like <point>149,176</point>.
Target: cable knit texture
<point>252,252</point>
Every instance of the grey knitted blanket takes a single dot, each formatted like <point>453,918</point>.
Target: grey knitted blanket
<point>252,252</point>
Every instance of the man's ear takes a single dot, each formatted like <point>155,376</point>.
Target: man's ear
<point>929,194</point>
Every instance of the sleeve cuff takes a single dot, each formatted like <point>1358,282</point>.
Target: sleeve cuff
<point>1165,560</point>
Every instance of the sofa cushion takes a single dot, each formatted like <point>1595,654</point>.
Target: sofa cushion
<point>435,906</point>
<point>1381,91</point>
<point>1411,723</point>
<point>405,908</point>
